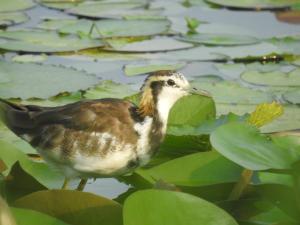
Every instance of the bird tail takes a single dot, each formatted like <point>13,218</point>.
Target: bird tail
<point>15,117</point>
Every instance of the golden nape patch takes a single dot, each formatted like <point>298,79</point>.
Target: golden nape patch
<point>146,107</point>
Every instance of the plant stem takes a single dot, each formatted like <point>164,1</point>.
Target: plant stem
<point>241,185</point>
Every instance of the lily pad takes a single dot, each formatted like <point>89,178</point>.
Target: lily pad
<point>154,45</point>
<point>31,217</point>
<point>98,9</point>
<point>108,89</point>
<point>174,208</point>
<point>43,41</point>
<point>85,207</point>
<point>244,145</point>
<point>235,93</point>
<point>41,81</point>
<point>110,27</point>
<point>197,169</point>
<point>219,39</point>
<point>292,96</point>
<point>255,4</point>
<point>138,69</point>
<point>275,78</point>
<point>8,19</point>
<point>15,5</point>
<point>29,58</point>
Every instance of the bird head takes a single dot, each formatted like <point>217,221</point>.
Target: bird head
<point>162,89</point>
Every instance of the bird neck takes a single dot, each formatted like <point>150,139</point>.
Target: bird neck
<point>156,106</point>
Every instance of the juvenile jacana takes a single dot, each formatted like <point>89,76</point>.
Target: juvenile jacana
<point>103,137</point>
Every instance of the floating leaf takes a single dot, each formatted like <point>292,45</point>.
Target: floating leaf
<point>108,89</point>
<point>290,120</point>
<point>109,28</point>
<point>31,217</point>
<point>235,93</point>
<point>8,19</point>
<point>153,45</point>
<point>244,145</point>
<point>29,58</point>
<point>41,81</point>
<point>43,41</point>
<point>138,69</point>
<point>255,4</point>
<point>219,39</point>
<point>84,207</point>
<point>15,5</point>
<point>112,9</point>
<point>292,96</point>
<point>275,78</point>
<point>199,169</point>
<point>174,208</point>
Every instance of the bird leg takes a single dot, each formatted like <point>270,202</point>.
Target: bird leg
<point>82,184</point>
<point>65,184</point>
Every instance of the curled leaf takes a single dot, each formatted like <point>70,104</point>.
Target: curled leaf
<point>265,113</point>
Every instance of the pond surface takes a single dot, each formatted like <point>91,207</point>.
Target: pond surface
<point>208,64</point>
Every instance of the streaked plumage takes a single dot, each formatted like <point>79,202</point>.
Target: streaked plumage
<point>104,137</point>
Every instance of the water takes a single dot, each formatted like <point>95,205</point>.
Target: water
<point>262,24</point>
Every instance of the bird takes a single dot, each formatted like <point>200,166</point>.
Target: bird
<point>102,137</point>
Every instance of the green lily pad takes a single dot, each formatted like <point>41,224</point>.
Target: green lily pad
<point>292,96</point>
<point>73,207</point>
<point>276,78</point>
<point>244,145</point>
<point>197,169</point>
<point>43,41</point>
<point>29,58</point>
<point>154,45</point>
<point>108,89</point>
<point>138,69</point>
<point>235,93</point>
<point>109,28</point>
<point>8,19</point>
<point>45,175</point>
<point>112,9</point>
<point>41,81</point>
<point>219,39</point>
<point>15,5</point>
<point>174,208</point>
<point>255,4</point>
<point>31,217</point>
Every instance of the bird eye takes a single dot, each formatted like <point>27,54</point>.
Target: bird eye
<point>171,82</point>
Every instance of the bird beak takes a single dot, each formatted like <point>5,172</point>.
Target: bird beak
<point>193,90</point>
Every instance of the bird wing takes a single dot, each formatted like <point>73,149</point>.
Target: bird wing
<point>47,127</point>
